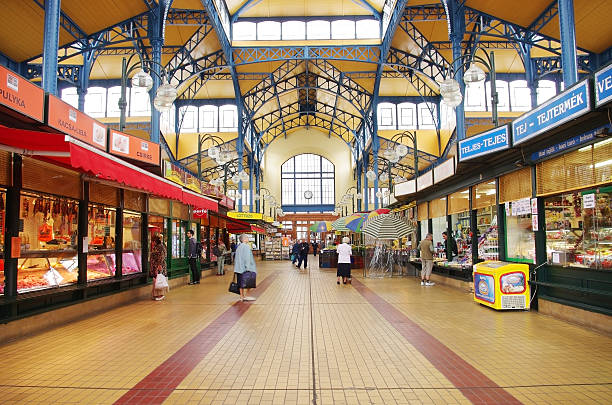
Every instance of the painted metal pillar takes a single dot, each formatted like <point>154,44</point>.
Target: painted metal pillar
<point>240,150</point>
<point>251,170</point>
<point>530,75</point>
<point>366,193</point>
<point>51,45</point>
<point>156,45</point>
<point>359,189</point>
<point>568,42</point>
<point>457,25</point>
<point>88,58</point>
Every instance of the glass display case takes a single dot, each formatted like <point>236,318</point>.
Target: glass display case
<point>488,239</point>
<point>101,231</point>
<point>461,232</point>
<point>520,239</point>
<point>579,229</point>
<point>439,225</point>
<point>179,239</point>
<point>48,242</point>
<point>132,243</point>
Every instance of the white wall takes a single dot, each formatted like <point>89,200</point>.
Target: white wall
<point>308,141</point>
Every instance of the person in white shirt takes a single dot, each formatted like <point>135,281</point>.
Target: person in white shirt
<point>344,261</point>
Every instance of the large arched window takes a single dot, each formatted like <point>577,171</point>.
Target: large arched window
<point>307,172</point>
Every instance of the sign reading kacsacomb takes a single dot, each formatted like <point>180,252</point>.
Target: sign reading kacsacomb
<point>490,141</point>
<point>566,106</point>
<point>69,120</point>
<point>603,86</point>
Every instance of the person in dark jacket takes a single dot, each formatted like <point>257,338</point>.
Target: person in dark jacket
<point>295,252</point>
<point>450,246</point>
<point>303,254</point>
<point>193,258</point>
<point>315,247</point>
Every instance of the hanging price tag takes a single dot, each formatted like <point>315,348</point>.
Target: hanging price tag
<point>534,222</point>
<point>588,200</point>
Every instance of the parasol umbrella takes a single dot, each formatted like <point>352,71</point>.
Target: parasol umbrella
<point>321,226</point>
<point>340,225</point>
<point>378,212</point>
<point>355,222</point>
<point>387,226</point>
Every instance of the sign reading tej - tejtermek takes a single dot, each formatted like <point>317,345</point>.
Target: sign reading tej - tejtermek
<point>566,106</point>
<point>603,86</point>
<point>491,141</point>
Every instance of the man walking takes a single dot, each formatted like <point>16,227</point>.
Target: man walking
<point>315,247</point>
<point>427,250</point>
<point>193,254</point>
<point>304,248</point>
<point>295,251</point>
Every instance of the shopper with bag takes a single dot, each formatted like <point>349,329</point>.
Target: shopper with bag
<point>220,251</point>
<point>244,268</point>
<point>158,271</point>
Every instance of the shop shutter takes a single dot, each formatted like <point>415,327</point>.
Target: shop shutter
<point>5,168</point>
<point>459,202</point>
<point>103,194</point>
<point>516,185</point>
<point>585,167</point>
<point>135,201</point>
<point>51,179</point>
<point>422,212</point>
<point>437,208</point>
<point>483,195</point>
<point>213,221</point>
<point>180,211</point>
<point>159,206</point>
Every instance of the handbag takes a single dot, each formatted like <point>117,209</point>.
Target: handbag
<point>233,287</point>
<point>161,281</point>
<point>248,279</point>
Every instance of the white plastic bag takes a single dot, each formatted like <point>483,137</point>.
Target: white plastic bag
<point>161,281</point>
<point>53,278</point>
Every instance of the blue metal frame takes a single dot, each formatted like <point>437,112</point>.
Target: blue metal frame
<point>568,42</point>
<point>66,23</point>
<point>50,46</point>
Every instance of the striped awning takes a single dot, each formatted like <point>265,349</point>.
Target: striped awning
<point>387,226</point>
<point>340,225</point>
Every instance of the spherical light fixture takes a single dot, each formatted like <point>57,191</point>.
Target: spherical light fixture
<point>395,158</point>
<point>359,196</point>
<point>213,152</point>
<point>452,100</point>
<point>388,153</point>
<point>449,86</point>
<point>165,96</point>
<point>256,197</point>
<point>235,178</point>
<point>474,75</point>
<point>142,80</point>
<point>371,175</point>
<point>384,177</point>
<point>401,150</point>
<point>243,175</point>
<point>379,194</point>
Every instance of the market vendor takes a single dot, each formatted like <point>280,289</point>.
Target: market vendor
<point>450,246</point>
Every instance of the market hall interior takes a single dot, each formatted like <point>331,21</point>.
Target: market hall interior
<point>308,340</point>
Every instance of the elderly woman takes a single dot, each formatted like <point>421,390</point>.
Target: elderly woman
<point>158,265</point>
<point>244,264</point>
<point>344,261</point>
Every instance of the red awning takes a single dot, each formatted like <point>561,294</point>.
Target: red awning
<point>69,152</point>
<point>200,201</point>
<point>258,229</point>
<point>234,225</point>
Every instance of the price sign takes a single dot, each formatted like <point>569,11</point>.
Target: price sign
<point>588,200</point>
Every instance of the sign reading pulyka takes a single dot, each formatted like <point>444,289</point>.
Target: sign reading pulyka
<point>69,120</point>
<point>603,86</point>
<point>20,95</point>
<point>568,105</point>
<point>491,141</point>
<point>133,147</point>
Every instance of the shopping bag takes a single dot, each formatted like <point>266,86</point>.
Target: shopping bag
<point>233,287</point>
<point>248,279</point>
<point>161,281</point>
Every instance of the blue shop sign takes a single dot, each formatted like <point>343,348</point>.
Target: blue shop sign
<point>603,86</point>
<point>566,106</point>
<point>491,141</point>
<point>567,144</point>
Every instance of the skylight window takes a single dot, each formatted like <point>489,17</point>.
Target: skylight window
<point>269,31</point>
<point>294,30</point>
<point>245,31</point>
<point>367,29</point>
<point>318,29</point>
<point>343,29</point>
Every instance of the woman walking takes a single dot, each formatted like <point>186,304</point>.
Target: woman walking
<point>344,261</point>
<point>220,253</point>
<point>244,268</point>
<point>158,266</point>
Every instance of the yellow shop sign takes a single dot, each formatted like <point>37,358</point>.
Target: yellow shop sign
<point>245,215</point>
<point>268,219</point>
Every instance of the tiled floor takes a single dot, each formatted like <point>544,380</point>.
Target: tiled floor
<point>307,340</point>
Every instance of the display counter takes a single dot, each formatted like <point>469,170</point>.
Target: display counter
<point>328,258</point>
<point>460,271</point>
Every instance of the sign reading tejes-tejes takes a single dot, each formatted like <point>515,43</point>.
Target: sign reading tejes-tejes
<point>133,147</point>
<point>603,86</point>
<point>67,119</point>
<point>20,95</point>
<point>490,141</point>
<point>566,106</point>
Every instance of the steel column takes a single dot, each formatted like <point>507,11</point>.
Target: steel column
<point>251,170</point>
<point>568,42</point>
<point>366,194</point>
<point>530,75</point>
<point>157,48</point>
<point>50,45</point>
<point>457,31</point>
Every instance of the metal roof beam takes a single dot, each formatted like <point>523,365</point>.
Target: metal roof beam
<point>354,53</point>
<point>545,17</point>
<point>244,8</point>
<point>424,12</point>
<point>66,23</point>
<point>365,4</point>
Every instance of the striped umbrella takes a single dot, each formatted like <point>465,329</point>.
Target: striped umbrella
<point>387,226</point>
<point>355,222</point>
<point>321,226</point>
<point>340,225</point>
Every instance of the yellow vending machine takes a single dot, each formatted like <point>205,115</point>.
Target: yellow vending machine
<point>502,285</point>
